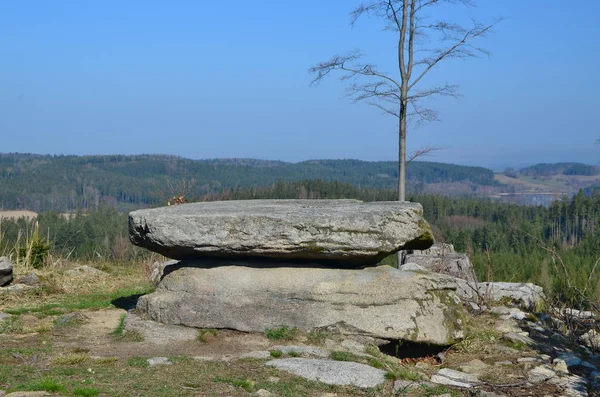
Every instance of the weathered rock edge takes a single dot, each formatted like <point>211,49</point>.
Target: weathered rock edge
<point>380,302</point>
<point>348,231</point>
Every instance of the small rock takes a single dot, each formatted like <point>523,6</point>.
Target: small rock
<point>412,267</point>
<point>575,386</point>
<point>273,379</point>
<point>483,393</point>
<point>302,350</point>
<point>28,394</point>
<point>514,337</point>
<point>528,360</point>
<point>159,361</point>
<point>450,377</point>
<point>591,339</point>
<point>30,279</point>
<point>474,367</point>
<point>352,346</point>
<point>206,359</point>
<point>6,271</point>
<point>263,393</point>
<point>257,354</point>
<point>341,373</point>
<point>503,363</point>
<point>4,316</point>
<point>540,374</point>
<point>560,366</point>
<point>545,357</point>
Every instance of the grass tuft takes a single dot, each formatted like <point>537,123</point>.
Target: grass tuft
<point>285,333</point>
<point>85,392</point>
<point>245,384</point>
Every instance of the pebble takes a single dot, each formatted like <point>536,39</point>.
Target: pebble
<point>159,361</point>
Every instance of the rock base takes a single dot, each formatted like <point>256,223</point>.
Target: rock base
<point>380,302</point>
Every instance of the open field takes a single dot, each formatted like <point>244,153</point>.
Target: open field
<point>17,214</point>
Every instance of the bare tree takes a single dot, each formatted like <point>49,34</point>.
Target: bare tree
<point>422,45</point>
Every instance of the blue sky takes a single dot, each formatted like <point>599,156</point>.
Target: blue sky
<point>205,79</point>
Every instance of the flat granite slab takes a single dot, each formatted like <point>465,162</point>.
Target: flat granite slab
<point>348,231</point>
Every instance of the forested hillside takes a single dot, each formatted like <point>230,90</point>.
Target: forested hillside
<point>65,183</point>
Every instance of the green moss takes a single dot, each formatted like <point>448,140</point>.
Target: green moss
<point>313,247</point>
<point>424,241</point>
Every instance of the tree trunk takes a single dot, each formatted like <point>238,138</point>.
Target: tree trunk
<point>402,153</point>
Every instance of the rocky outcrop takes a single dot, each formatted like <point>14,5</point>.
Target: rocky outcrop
<point>441,258</point>
<point>522,294</point>
<point>349,232</point>
<point>6,271</point>
<point>379,302</point>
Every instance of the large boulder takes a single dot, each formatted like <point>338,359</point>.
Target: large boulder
<point>6,271</point>
<point>380,302</point>
<point>350,232</point>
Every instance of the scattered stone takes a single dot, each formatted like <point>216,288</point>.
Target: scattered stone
<point>72,318</point>
<point>85,270</point>
<point>273,379</point>
<point>518,338</point>
<point>353,346</point>
<point>540,374</point>
<point>503,363</point>
<point>349,231</point>
<point>528,360</point>
<point>591,339</point>
<point>584,315</point>
<point>560,366</point>
<point>302,350</point>
<point>6,271</point>
<point>28,394</point>
<point>159,361</point>
<point>412,267</point>
<point>17,288</point>
<point>263,393</point>
<point>262,354</point>
<point>340,373</point>
<point>483,393</point>
<point>4,316</point>
<point>380,302</point>
<point>474,367</point>
<point>30,279</point>
<point>523,294</point>
<point>575,386</point>
<point>450,377</point>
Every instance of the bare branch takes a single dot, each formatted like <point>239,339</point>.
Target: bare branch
<point>461,47</point>
<point>424,151</point>
<point>449,90</point>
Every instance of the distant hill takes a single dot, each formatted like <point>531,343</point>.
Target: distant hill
<point>64,183</point>
<point>545,169</point>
